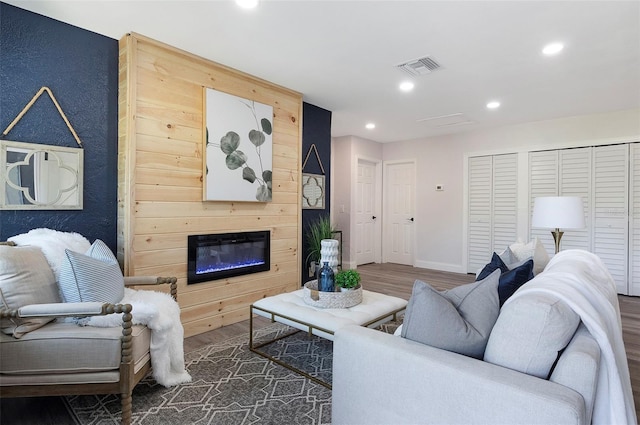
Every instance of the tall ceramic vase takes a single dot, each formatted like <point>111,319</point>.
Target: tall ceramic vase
<point>329,253</point>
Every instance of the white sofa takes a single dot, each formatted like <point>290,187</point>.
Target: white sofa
<point>380,378</point>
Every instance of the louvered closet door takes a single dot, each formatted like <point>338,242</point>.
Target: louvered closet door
<point>543,181</point>
<point>610,208</point>
<point>634,222</point>
<point>575,180</point>
<point>504,201</point>
<point>479,214</point>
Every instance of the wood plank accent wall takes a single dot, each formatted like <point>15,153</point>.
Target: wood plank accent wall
<point>160,154</point>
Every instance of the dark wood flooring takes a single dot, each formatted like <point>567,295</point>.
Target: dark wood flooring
<point>391,279</point>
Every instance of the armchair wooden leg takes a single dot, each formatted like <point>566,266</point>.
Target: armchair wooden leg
<point>126,408</point>
<point>126,365</point>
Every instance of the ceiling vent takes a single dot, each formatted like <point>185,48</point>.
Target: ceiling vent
<point>447,120</point>
<point>422,66</point>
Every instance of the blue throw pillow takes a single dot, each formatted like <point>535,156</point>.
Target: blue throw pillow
<point>513,279</point>
<point>495,264</point>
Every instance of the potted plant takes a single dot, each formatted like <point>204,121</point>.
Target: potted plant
<point>316,232</point>
<point>348,279</point>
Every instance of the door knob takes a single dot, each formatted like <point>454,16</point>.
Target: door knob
<point>411,219</point>
<point>373,217</point>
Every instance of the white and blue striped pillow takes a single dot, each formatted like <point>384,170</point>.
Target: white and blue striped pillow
<point>91,277</point>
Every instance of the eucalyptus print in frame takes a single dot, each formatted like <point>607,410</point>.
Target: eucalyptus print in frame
<point>239,146</point>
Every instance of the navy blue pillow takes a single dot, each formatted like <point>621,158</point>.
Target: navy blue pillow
<point>495,264</point>
<point>511,280</point>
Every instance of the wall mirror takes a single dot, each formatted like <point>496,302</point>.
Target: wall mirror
<point>35,176</point>
<point>312,191</point>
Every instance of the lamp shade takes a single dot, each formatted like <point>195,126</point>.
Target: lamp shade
<point>558,212</point>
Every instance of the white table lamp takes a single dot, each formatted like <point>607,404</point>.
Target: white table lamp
<point>556,212</point>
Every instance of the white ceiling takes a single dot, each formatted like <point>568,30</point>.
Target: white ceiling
<point>341,55</point>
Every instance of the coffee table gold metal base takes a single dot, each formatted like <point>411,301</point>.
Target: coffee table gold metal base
<point>299,324</point>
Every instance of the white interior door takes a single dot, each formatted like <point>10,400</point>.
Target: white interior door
<point>366,213</point>
<point>399,201</point>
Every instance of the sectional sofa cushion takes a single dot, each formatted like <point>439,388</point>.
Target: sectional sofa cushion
<point>530,332</point>
<point>91,277</point>
<point>458,320</point>
<point>25,278</point>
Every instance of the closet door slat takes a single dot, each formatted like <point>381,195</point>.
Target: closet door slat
<point>610,202</point>
<point>479,214</point>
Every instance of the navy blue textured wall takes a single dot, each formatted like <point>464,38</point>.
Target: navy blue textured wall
<point>81,68</point>
<point>316,129</point>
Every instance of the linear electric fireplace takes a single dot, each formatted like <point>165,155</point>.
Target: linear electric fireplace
<point>222,255</point>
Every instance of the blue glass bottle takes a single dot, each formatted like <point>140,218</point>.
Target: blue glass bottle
<point>326,278</point>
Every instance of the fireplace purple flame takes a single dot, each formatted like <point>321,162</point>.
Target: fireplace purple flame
<point>222,255</point>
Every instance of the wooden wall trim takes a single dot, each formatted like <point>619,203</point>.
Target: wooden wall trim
<point>126,148</point>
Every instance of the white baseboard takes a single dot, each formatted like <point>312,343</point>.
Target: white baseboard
<point>348,265</point>
<point>445,267</point>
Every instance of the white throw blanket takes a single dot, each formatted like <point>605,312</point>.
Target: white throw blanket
<point>580,279</point>
<point>160,313</point>
<point>53,243</point>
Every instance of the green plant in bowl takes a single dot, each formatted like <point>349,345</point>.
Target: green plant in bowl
<point>348,279</point>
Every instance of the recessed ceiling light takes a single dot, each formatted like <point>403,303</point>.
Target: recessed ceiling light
<point>247,4</point>
<point>370,126</point>
<point>553,48</point>
<point>406,86</point>
<point>493,104</point>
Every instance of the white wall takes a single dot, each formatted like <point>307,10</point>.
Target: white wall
<point>345,152</point>
<point>441,161</point>
<point>341,191</point>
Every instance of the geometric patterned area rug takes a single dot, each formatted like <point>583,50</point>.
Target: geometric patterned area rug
<point>231,385</point>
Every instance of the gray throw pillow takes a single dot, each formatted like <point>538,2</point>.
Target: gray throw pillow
<point>458,320</point>
<point>530,332</point>
<point>94,277</point>
<point>25,278</point>
<point>508,257</point>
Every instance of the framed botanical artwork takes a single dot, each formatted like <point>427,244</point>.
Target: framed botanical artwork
<point>239,148</point>
<point>312,191</point>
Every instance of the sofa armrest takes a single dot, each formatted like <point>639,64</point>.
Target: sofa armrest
<point>379,378</point>
<point>153,280</point>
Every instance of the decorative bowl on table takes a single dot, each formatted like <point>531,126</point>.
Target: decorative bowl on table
<point>340,299</point>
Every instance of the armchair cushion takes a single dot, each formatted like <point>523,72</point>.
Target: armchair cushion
<point>63,348</point>
<point>25,278</point>
<point>91,277</point>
